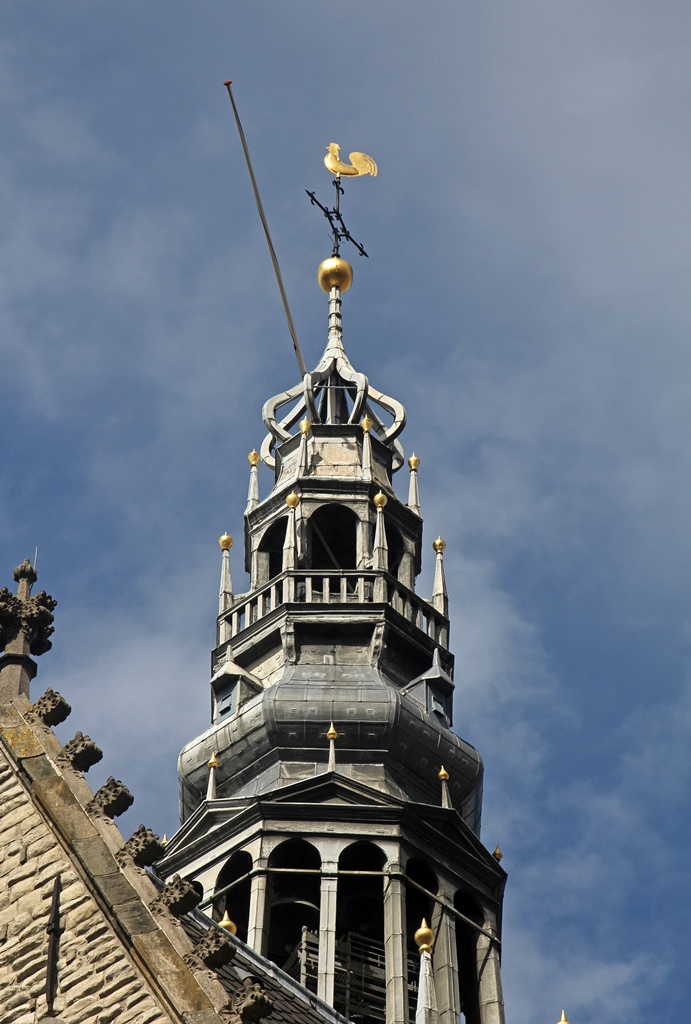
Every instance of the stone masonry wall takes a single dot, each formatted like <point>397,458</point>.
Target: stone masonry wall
<point>97,982</point>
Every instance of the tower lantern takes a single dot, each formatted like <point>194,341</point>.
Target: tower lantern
<point>326,857</point>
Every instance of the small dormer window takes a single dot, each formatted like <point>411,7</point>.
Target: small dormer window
<point>439,704</point>
<point>226,701</point>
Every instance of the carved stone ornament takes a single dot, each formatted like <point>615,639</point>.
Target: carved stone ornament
<point>20,613</point>
<point>249,1004</point>
<point>213,950</point>
<point>25,571</point>
<point>111,800</point>
<point>51,708</point>
<point>82,752</point>
<point>10,617</point>
<point>178,896</point>
<point>37,622</point>
<point>143,847</point>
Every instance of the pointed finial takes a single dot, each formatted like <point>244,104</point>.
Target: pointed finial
<point>332,736</point>
<point>226,542</point>
<point>211,787</point>
<point>254,457</point>
<point>498,855</point>
<point>562,1019</point>
<point>443,777</point>
<point>366,423</point>
<point>164,841</point>
<point>413,489</point>
<point>424,938</point>
<point>440,599</point>
<point>228,925</point>
<point>305,426</point>
<point>293,500</point>
<point>380,500</point>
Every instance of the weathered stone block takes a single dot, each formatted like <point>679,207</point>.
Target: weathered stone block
<point>183,991</point>
<point>115,888</point>
<point>135,918</point>
<point>95,855</point>
<point>80,987</point>
<point>62,807</point>
<point>77,916</point>
<point>38,767</point>
<point>21,871</point>
<point>155,948</point>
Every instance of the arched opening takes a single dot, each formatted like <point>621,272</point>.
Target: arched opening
<point>236,898</point>
<point>466,940</point>
<point>421,888</point>
<point>419,904</point>
<point>294,890</point>
<point>332,538</point>
<point>394,543</point>
<point>360,898</point>
<point>360,989</point>
<point>270,551</point>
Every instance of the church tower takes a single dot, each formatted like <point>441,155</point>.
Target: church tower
<point>330,807</point>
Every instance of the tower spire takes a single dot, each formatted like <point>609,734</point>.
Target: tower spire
<point>329,867</point>
<point>26,623</point>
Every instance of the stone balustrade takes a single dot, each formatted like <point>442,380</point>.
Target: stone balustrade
<point>342,587</point>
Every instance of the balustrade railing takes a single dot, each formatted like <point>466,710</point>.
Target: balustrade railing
<point>347,586</point>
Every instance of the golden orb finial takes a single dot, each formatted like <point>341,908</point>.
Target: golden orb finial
<point>439,545</point>
<point>254,457</point>
<point>443,774</point>
<point>380,500</point>
<point>293,500</point>
<point>226,542</point>
<point>366,423</point>
<point>213,761</point>
<point>424,938</point>
<point>335,273</point>
<point>413,462</point>
<point>229,925</point>
<point>332,734</point>
<point>498,855</point>
<point>305,426</point>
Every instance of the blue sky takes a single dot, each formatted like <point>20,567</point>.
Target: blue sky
<point>526,297</point>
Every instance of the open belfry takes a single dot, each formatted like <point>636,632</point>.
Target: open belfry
<point>328,866</point>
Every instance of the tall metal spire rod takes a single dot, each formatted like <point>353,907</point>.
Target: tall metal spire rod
<point>267,235</point>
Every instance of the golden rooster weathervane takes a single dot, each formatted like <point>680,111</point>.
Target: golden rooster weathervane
<point>359,165</point>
